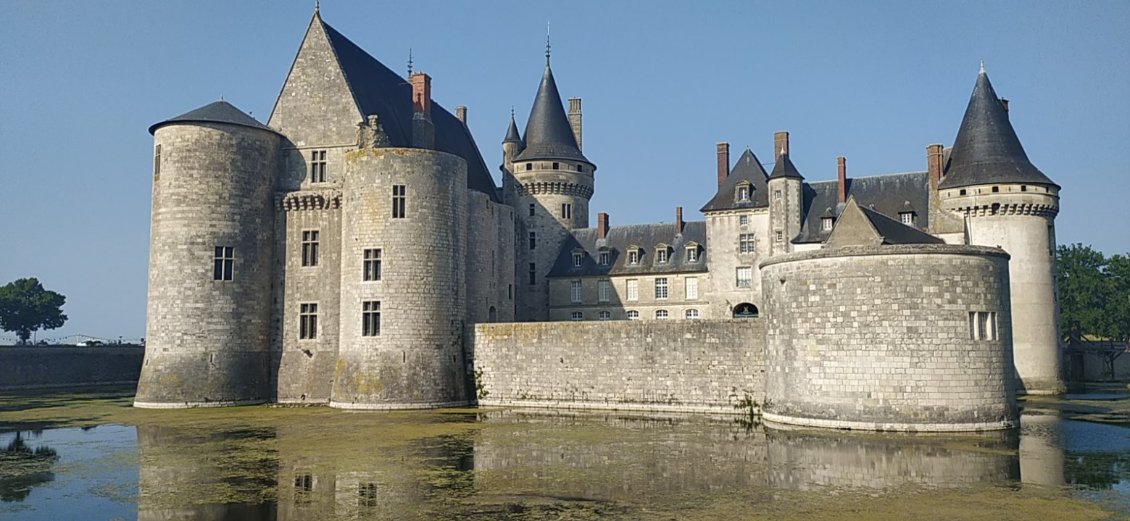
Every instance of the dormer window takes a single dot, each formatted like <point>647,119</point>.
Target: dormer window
<point>605,258</point>
<point>907,218</point>
<point>692,252</point>
<point>826,223</point>
<point>661,254</point>
<point>578,258</point>
<point>633,255</point>
<point>743,192</point>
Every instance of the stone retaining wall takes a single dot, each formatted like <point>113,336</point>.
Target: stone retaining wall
<point>66,366</point>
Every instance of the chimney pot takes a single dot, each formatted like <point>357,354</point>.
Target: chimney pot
<point>421,94</point>
<point>723,151</point>
<point>841,178</point>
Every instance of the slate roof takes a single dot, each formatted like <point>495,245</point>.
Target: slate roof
<point>986,149</point>
<point>378,90</point>
<point>215,112</point>
<point>886,194</point>
<point>785,169</point>
<point>617,241</point>
<point>548,132</point>
<point>512,135</point>
<point>748,169</point>
<point>895,232</point>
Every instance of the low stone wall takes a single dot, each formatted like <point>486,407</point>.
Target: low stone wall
<point>66,366</point>
<point>655,365</point>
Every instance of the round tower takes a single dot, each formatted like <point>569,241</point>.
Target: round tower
<point>553,182</point>
<point>210,260</point>
<point>1007,202</point>
<point>404,215</point>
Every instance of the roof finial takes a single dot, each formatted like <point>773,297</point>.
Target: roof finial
<point>409,62</point>
<point>547,44</point>
<point>982,66</point>
<point>511,113</point>
<point>316,5</point>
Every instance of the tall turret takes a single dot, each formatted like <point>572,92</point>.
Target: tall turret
<point>785,198</point>
<point>1007,202</point>
<point>210,260</point>
<point>553,184</point>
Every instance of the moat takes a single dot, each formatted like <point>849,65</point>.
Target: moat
<point>91,456</point>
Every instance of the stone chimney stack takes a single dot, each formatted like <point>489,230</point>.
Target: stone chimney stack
<point>841,177</point>
<point>461,114</point>
<point>423,132</point>
<point>723,150</point>
<point>601,225</point>
<point>934,154</point>
<point>575,120</point>
<point>678,220</point>
<point>780,144</point>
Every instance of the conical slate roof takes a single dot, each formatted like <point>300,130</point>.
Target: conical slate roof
<point>784,169</point>
<point>986,149</point>
<point>512,135</point>
<point>215,112</point>
<point>548,133</point>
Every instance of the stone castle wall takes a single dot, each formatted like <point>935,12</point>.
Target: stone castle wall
<point>863,338</point>
<point>674,365</point>
<point>68,366</point>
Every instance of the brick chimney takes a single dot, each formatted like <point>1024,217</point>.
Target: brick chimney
<point>934,154</point>
<point>841,177</point>
<point>575,119</point>
<point>780,144</point>
<point>678,220</point>
<point>723,150</point>
<point>421,94</point>
<point>461,114</point>
<point>601,225</point>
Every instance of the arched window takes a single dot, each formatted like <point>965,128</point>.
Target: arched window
<point>633,315</point>
<point>745,310</point>
<point>692,314</point>
<point>661,314</point>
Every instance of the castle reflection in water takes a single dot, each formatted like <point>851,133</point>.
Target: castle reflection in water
<point>528,455</point>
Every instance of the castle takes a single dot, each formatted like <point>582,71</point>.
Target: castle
<point>344,252</point>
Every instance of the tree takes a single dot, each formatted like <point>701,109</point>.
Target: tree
<point>1082,290</point>
<point>1116,316</point>
<point>25,307</point>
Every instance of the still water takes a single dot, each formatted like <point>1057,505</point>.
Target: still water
<point>93,457</point>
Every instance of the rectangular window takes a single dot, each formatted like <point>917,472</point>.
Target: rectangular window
<point>632,288</point>
<point>309,247</point>
<point>692,314</point>
<point>371,265</point>
<point>826,223</point>
<point>744,275</point>
<point>690,285</point>
<point>157,162</point>
<point>605,315</point>
<point>533,238</point>
<point>371,318</point>
<point>223,264</point>
<point>577,315</point>
<point>743,220</point>
<point>692,254</point>
<point>661,288</point>
<point>745,243</point>
<point>661,314</point>
<point>633,315</point>
<point>906,218</point>
<point>661,256</point>
<point>983,325</point>
<point>531,209</point>
<point>776,195</point>
<point>529,166</point>
<point>509,292</point>
<point>399,196</point>
<point>318,166</point>
<point>780,236</point>
<point>533,274</point>
<point>307,321</point>
<point>566,211</point>
<point>743,193</point>
<point>575,291</point>
<point>633,256</point>
<point>604,290</point>
<point>605,258</point>
<point>578,259</point>
<point>556,165</point>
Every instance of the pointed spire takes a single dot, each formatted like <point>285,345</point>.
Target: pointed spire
<point>512,135</point>
<point>986,149</point>
<point>547,44</point>
<point>548,132</point>
<point>409,62</point>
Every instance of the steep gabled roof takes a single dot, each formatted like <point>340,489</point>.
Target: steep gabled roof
<point>748,169</point>
<point>785,169</point>
<point>889,195</point>
<point>548,132</point>
<point>617,241</point>
<point>986,149</point>
<point>859,226</point>
<point>215,112</point>
<point>378,90</point>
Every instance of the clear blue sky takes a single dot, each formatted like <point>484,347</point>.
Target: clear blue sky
<point>662,82</point>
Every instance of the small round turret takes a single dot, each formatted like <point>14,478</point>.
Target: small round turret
<point>210,261</point>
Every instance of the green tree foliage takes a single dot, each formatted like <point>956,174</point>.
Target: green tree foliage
<point>1094,294</point>
<point>25,307</point>
<point>1117,316</point>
